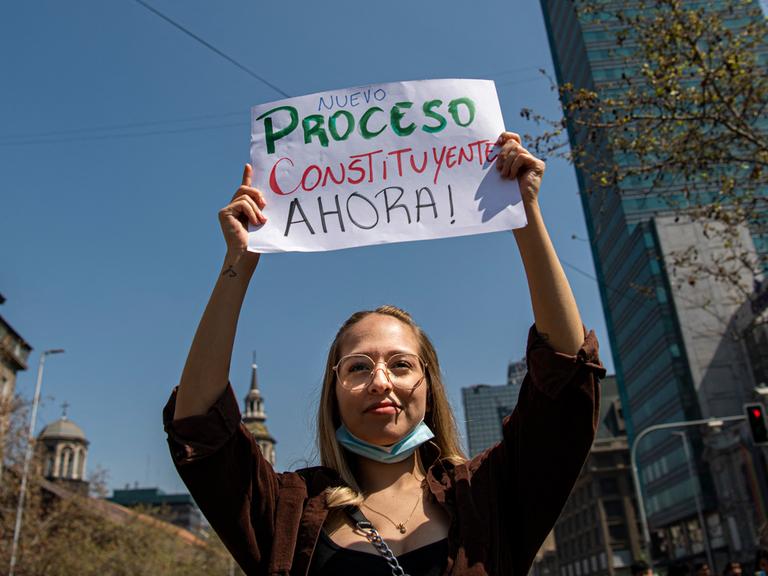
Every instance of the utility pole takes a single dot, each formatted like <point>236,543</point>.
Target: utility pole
<point>28,458</point>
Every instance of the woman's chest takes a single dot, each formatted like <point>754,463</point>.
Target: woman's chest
<point>427,524</point>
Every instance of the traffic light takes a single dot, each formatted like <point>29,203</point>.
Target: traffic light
<point>756,419</point>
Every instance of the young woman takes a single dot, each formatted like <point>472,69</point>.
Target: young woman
<point>394,494</point>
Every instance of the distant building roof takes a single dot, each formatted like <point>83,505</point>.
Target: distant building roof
<point>63,428</point>
<point>148,496</point>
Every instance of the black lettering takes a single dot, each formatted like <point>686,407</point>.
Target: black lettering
<point>349,213</point>
<point>323,213</point>
<point>394,204</point>
<point>419,205</point>
<point>296,205</point>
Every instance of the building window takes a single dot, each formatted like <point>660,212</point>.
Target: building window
<point>81,463</point>
<point>618,532</point>
<point>609,486</point>
<point>67,458</point>
<point>613,508</point>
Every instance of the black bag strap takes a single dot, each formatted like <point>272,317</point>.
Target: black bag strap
<point>357,516</point>
<point>362,523</point>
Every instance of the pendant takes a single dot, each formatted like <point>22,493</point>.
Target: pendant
<point>401,527</point>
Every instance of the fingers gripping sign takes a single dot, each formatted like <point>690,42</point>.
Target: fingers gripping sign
<point>514,161</point>
<point>246,207</point>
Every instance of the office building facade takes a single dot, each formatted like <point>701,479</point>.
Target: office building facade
<point>598,532</point>
<point>178,509</point>
<point>674,360</point>
<point>485,407</point>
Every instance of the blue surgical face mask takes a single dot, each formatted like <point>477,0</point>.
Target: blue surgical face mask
<point>386,454</point>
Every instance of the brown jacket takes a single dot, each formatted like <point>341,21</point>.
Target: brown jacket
<point>502,503</point>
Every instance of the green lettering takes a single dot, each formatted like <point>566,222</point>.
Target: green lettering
<point>441,121</point>
<point>395,115</point>
<point>453,108</point>
<point>269,132</point>
<point>313,126</point>
<point>367,134</point>
<point>350,125</point>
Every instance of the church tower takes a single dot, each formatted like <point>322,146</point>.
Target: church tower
<point>255,419</point>
<point>65,449</point>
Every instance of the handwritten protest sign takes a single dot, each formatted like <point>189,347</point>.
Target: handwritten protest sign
<point>380,163</point>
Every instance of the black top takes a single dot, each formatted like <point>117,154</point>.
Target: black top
<point>330,559</point>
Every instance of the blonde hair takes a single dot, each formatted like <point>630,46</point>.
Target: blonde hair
<point>439,416</point>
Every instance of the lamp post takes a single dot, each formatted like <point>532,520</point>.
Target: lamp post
<point>711,422</point>
<point>696,494</point>
<point>28,457</point>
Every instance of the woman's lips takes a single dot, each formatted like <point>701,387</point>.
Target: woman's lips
<point>383,408</point>
<point>389,409</point>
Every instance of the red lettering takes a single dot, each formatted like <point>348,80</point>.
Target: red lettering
<point>329,174</point>
<point>370,156</point>
<point>353,167</point>
<point>489,146</point>
<point>438,161</point>
<point>466,156</point>
<point>479,146</point>
<point>423,164</point>
<point>398,154</point>
<point>273,179</point>
<point>310,168</point>
<point>449,157</point>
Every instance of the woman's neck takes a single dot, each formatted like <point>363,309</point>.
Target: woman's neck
<point>375,476</point>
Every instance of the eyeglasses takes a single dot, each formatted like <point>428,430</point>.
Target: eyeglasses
<point>404,371</point>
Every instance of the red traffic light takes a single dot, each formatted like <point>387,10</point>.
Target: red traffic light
<point>755,414</point>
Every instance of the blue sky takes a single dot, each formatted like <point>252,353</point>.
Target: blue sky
<point>120,138</point>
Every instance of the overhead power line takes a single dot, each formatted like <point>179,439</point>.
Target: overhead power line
<point>140,129</point>
<point>106,128</point>
<point>213,48</point>
<point>118,135</point>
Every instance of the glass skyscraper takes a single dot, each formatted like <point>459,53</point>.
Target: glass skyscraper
<point>671,358</point>
<point>486,406</point>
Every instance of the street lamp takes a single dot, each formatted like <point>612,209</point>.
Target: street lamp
<point>28,457</point>
<point>711,422</point>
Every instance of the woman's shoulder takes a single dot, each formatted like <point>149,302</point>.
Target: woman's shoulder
<point>316,479</point>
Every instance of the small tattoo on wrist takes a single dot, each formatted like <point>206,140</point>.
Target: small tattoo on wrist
<point>229,272</point>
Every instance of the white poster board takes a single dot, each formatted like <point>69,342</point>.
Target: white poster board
<point>381,163</point>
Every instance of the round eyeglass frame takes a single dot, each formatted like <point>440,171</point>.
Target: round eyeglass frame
<point>424,366</point>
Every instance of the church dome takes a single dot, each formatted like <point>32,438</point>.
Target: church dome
<point>62,429</point>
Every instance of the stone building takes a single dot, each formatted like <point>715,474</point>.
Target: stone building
<point>255,419</point>
<point>598,531</point>
<point>14,352</point>
<point>64,450</point>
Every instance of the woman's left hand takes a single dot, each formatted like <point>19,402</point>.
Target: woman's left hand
<point>514,161</point>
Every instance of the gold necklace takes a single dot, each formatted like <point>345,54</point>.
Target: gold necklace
<point>401,525</point>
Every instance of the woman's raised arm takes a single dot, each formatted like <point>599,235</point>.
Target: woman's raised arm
<point>554,307</point>
<point>206,371</point>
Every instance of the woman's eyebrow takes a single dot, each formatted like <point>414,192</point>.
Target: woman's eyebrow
<point>386,354</point>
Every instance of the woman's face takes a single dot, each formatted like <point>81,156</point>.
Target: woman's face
<point>379,413</point>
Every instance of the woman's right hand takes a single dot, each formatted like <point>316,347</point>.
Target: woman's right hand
<point>246,206</point>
